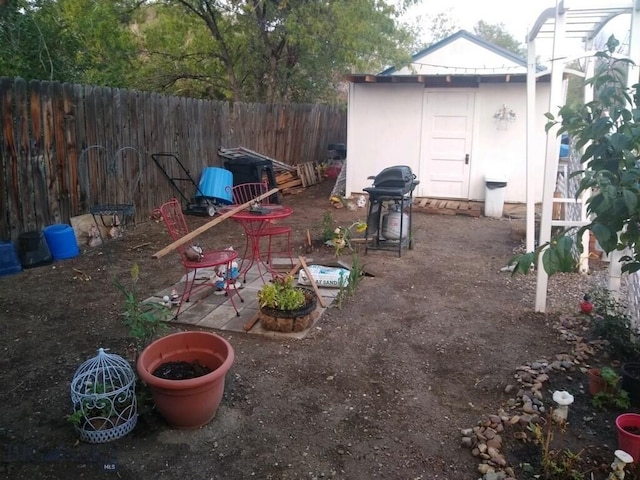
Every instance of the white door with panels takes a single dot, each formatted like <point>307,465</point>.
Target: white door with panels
<point>445,156</point>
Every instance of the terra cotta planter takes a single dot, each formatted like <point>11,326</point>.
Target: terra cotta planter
<point>596,382</point>
<point>193,402</point>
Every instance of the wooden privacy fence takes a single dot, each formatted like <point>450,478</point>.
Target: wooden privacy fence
<point>63,146</point>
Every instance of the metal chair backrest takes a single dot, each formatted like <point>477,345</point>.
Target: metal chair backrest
<point>245,192</point>
<point>173,217</point>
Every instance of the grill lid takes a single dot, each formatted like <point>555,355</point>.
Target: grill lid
<point>399,176</point>
<point>398,180</point>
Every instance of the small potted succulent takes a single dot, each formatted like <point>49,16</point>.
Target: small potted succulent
<point>285,307</point>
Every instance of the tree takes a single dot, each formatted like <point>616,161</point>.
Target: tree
<point>496,33</point>
<point>34,45</point>
<point>271,50</point>
<point>84,41</point>
<point>440,27</point>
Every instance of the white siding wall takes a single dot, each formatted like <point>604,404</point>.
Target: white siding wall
<point>505,151</point>
<point>385,123</point>
<point>383,129</point>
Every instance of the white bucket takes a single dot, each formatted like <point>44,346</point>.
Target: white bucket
<point>391,225</point>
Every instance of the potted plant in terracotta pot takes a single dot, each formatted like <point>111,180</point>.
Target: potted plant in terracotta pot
<point>285,307</point>
<point>186,374</point>
<point>602,380</point>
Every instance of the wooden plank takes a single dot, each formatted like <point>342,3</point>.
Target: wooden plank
<point>11,180</point>
<point>25,166</point>
<point>36,143</point>
<point>49,153</point>
<point>312,281</point>
<point>291,184</point>
<point>284,178</point>
<point>301,176</point>
<point>172,246</point>
<point>80,145</point>
<point>70,146</point>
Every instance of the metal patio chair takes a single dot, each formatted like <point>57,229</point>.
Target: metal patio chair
<point>193,261</point>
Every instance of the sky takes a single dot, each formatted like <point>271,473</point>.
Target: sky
<point>518,16</point>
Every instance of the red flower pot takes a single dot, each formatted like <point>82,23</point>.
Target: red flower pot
<point>628,426</point>
<point>190,403</point>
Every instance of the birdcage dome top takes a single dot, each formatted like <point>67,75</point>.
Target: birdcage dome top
<point>107,369</point>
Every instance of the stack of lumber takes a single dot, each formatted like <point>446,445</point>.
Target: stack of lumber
<point>290,179</point>
<point>303,176</point>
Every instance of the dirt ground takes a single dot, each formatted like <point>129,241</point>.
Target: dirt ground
<point>379,389</point>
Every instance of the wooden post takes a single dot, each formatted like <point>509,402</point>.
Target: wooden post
<point>212,223</point>
<point>312,281</point>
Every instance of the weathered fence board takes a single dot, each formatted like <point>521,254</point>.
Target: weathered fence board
<point>58,143</point>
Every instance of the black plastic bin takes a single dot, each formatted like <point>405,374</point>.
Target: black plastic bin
<point>248,169</point>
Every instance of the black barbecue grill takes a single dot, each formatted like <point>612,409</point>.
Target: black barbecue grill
<point>392,189</point>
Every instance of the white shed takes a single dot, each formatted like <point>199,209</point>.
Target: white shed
<point>457,113</point>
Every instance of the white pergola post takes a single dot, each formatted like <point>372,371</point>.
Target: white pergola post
<point>552,152</point>
<point>531,128</point>
<point>572,18</point>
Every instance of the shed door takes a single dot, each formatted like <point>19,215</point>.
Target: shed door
<point>446,144</point>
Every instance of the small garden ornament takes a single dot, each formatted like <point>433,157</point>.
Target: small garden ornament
<point>563,399</point>
<point>620,461</point>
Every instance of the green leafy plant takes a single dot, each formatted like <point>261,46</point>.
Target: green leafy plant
<point>95,409</point>
<point>348,286</point>
<point>281,294</point>
<point>326,226</point>
<point>76,417</point>
<point>611,323</point>
<point>608,129</point>
<point>612,396</point>
<point>146,320</point>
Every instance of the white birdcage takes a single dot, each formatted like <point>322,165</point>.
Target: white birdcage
<point>104,398</point>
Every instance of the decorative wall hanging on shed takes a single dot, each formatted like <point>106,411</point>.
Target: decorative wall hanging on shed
<point>503,117</point>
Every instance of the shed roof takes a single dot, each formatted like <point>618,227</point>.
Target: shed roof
<point>460,60</point>
<point>507,55</point>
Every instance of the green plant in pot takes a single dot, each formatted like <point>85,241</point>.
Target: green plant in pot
<point>284,306</point>
<point>611,396</point>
